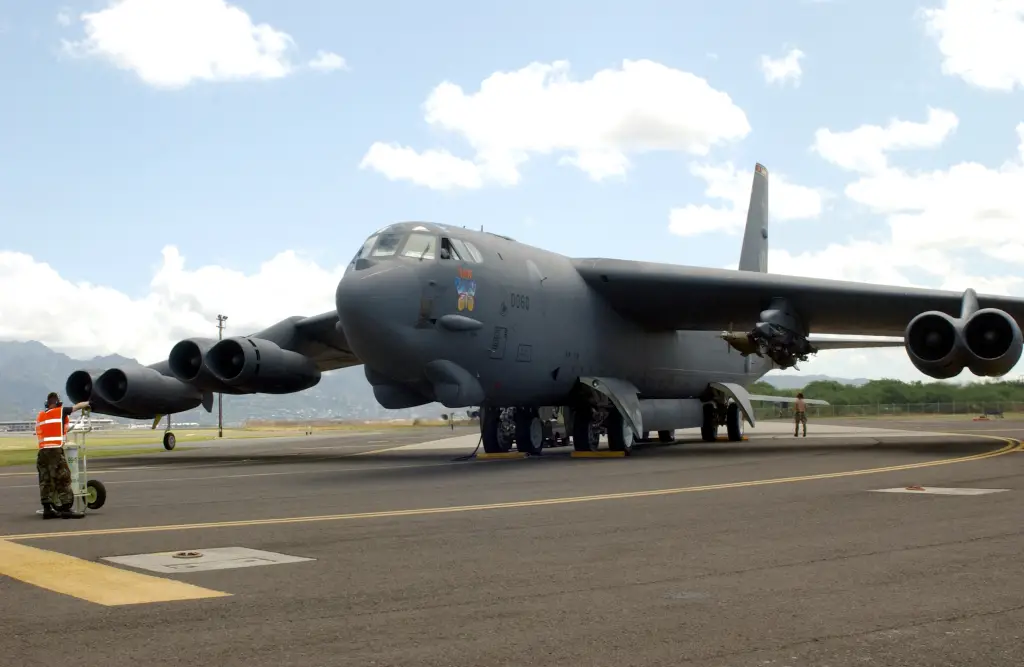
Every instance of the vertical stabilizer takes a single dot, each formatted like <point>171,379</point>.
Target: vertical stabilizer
<point>754,255</point>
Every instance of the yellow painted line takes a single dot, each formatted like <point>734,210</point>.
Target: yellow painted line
<point>501,455</point>
<point>92,582</point>
<point>725,438</point>
<point>1010,446</point>
<point>597,455</point>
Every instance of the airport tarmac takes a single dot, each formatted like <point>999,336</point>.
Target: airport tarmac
<point>772,551</point>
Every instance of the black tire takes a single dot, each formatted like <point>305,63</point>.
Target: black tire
<point>734,422</point>
<point>709,428</point>
<point>169,441</point>
<point>490,424</point>
<point>584,438</point>
<point>667,436</point>
<point>529,432</point>
<point>620,435</point>
<point>99,493</point>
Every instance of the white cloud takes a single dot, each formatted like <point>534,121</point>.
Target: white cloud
<point>864,149</point>
<point>539,110</point>
<point>981,41</point>
<point>939,209</point>
<point>173,43</point>
<point>82,319</point>
<point>64,18</point>
<point>786,68</point>
<point>327,61</point>
<point>787,201</point>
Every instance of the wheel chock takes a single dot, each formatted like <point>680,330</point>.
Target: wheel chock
<point>725,438</point>
<point>597,455</point>
<point>501,455</point>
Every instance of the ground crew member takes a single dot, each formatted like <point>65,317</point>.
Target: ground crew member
<point>799,415</point>
<point>55,491</point>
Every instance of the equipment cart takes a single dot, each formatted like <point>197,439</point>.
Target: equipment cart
<point>89,493</point>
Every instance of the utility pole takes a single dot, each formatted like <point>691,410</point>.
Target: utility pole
<point>220,408</point>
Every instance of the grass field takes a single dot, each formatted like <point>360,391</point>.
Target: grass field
<point>22,457</point>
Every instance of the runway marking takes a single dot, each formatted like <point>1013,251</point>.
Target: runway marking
<point>1011,445</point>
<point>93,582</point>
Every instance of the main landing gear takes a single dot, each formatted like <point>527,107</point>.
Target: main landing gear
<point>728,415</point>
<point>503,427</point>
<point>589,421</point>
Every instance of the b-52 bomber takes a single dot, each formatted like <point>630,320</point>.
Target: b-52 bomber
<point>467,318</point>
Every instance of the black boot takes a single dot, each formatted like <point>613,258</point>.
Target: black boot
<point>67,513</point>
<point>49,512</point>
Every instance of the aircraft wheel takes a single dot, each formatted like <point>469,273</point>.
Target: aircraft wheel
<point>95,494</point>
<point>529,432</point>
<point>496,440</point>
<point>667,436</point>
<point>620,434</point>
<point>734,422</point>
<point>169,441</point>
<point>585,435</point>
<point>709,429</point>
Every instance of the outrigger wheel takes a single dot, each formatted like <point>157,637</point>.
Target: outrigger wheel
<point>168,441</point>
<point>95,494</point>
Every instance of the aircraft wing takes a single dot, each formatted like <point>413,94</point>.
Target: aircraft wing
<point>668,296</point>
<point>786,399</point>
<point>286,357</point>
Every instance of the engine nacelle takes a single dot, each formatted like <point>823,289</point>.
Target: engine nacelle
<point>257,365</point>
<point>187,363</point>
<point>994,342</point>
<point>144,392</point>
<point>934,343</point>
<point>988,342</point>
<point>79,388</point>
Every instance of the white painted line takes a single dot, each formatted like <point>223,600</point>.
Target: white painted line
<point>939,491</point>
<point>223,558</point>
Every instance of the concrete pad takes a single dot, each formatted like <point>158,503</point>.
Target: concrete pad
<point>202,560</point>
<point>939,491</point>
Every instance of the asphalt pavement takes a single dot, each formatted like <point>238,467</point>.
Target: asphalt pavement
<point>772,551</point>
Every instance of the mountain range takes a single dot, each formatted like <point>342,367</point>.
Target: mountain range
<point>30,370</point>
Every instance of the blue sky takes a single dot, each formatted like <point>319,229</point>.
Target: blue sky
<point>100,169</point>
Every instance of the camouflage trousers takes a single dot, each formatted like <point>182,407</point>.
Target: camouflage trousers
<point>798,419</point>
<point>54,477</point>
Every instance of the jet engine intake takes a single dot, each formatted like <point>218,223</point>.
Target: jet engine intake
<point>79,388</point>
<point>994,342</point>
<point>187,363</point>
<point>143,392</point>
<point>988,342</point>
<point>257,365</point>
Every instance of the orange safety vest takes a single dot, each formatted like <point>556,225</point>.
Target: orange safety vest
<point>51,427</point>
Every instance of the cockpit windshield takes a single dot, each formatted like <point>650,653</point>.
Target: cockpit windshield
<point>419,243</point>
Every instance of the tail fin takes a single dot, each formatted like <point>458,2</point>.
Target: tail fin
<point>754,254</point>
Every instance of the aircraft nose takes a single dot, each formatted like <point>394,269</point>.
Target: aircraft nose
<point>378,308</point>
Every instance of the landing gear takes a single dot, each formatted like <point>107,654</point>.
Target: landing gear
<point>620,434</point>
<point>709,427</point>
<point>497,429</point>
<point>529,431</point>
<point>169,440</point>
<point>586,428</point>
<point>728,415</point>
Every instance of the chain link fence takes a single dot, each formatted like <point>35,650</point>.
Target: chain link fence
<point>966,408</point>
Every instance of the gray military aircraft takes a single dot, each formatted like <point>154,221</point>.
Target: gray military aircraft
<point>472,318</point>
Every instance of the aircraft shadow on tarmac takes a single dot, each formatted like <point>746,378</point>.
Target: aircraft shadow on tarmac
<point>938,446</point>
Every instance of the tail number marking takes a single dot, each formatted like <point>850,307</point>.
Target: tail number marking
<point>521,301</point>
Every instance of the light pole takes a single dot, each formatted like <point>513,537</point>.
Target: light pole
<point>220,408</point>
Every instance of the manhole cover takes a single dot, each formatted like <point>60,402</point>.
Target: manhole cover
<point>188,554</point>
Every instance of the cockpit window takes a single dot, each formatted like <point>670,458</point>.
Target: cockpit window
<point>420,246</point>
<point>365,250</point>
<point>388,245</point>
<point>448,249</point>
